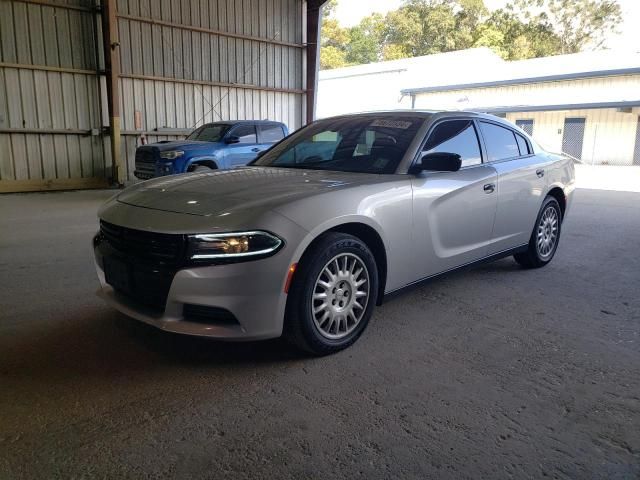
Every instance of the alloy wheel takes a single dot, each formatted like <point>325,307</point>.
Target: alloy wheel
<point>547,234</point>
<point>340,296</point>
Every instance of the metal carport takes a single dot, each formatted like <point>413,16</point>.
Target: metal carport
<point>81,81</point>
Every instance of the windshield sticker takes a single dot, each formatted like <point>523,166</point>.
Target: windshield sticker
<point>391,124</point>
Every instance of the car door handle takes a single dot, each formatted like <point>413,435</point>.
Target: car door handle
<point>540,173</point>
<point>256,149</point>
<point>489,188</point>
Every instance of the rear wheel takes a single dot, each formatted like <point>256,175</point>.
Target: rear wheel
<point>332,296</point>
<point>545,236</point>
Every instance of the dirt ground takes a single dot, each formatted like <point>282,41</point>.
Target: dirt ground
<point>494,373</point>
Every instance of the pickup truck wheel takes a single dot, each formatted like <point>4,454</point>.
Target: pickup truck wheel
<point>332,296</point>
<point>199,168</point>
<point>545,236</point>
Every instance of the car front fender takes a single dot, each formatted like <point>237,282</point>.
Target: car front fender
<point>204,158</point>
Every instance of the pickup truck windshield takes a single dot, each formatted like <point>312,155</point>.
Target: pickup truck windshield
<point>364,144</point>
<point>209,133</point>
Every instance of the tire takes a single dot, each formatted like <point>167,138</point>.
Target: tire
<point>340,322</point>
<point>200,168</point>
<point>544,239</point>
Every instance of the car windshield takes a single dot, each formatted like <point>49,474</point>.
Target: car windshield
<point>209,133</point>
<point>364,144</point>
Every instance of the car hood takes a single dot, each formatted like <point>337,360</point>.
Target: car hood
<point>227,191</point>
<point>180,145</point>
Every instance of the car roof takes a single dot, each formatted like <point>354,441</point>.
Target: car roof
<point>417,113</point>
<point>427,114</point>
<point>239,122</point>
<point>384,113</point>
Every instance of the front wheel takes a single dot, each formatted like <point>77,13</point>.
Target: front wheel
<point>200,168</point>
<point>545,236</point>
<point>332,296</point>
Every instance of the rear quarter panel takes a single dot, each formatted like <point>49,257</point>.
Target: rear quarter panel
<point>561,173</point>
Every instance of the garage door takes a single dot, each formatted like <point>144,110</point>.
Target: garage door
<point>573,136</point>
<point>526,125</point>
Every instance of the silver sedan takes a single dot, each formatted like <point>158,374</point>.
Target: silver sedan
<point>326,224</point>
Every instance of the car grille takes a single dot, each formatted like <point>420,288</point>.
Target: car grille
<point>138,244</point>
<point>140,265</point>
<point>145,160</point>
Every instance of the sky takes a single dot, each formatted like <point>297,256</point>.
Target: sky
<point>350,12</point>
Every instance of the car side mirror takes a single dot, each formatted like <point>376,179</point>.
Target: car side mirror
<point>232,139</point>
<point>440,162</point>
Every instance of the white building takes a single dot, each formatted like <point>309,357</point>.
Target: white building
<point>585,104</point>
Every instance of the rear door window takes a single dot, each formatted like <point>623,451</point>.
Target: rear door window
<point>245,133</point>
<point>501,142</point>
<point>455,136</point>
<point>270,133</point>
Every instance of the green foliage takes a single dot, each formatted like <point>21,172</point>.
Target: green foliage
<point>332,57</point>
<point>578,24</point>
<point>523,29</point>
<point>514,39</point>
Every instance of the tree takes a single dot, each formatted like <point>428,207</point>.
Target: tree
<point>422,27</point>
<point>365,40</point>
<point>523,29</point>
<point>333,39</point>
<point>340,47</point>
<point>332,57</point>
<point>513,39</point>
<point>578,24</point>
<point>469,19</point>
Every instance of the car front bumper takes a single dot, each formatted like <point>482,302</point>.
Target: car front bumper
<point>253,292</point>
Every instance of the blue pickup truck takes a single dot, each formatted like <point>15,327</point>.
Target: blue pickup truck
<point>217,145</point>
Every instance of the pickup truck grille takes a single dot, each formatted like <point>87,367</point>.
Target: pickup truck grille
<point>146,160</point>
<point>141,245</point>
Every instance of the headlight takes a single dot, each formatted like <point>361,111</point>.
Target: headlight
<point>233,246</point>
<point>171,155</point>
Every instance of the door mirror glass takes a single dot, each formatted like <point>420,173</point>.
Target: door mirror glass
<point>232,139</point>
<point>441,162</point>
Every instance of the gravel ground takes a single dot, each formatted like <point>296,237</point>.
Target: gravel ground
<point>493,373</point>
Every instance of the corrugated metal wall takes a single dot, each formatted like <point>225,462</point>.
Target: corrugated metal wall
<point>609,135</point>
<point>49,97</point>
<point>183,63</point>
<point>188,62</point>
<point>579,91</point>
